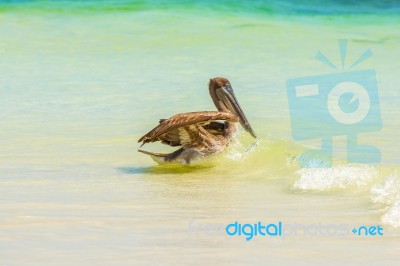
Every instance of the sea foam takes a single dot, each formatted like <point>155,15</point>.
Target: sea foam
<point>335,177</point>
<point>388,193</point>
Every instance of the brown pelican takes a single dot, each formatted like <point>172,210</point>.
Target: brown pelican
<point>199,134</point>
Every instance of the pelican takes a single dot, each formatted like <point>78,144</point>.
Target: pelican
<point>200,134</point>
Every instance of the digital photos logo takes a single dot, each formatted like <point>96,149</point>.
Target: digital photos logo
<point>344,103</point>
<point>280,229</point>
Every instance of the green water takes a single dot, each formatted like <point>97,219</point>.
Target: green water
<point>80,83</point>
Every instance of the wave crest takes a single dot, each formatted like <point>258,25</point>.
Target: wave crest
<point>335,177</point>
<point>388,193</point>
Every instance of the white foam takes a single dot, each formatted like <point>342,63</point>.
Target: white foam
<point>235,151</point>
<point>388,192</point>
<point>392,216</point>
<point>335,177</point>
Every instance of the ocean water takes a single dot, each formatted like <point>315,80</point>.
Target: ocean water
<point>81,81</point>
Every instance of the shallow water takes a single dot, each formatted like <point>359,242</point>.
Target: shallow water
<point>79,86</point>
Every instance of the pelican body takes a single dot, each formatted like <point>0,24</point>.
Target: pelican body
<point>200,134</point>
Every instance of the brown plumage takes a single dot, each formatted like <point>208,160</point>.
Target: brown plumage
<point>199,133</point>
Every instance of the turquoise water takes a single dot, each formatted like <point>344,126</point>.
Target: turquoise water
<point>82,81</point>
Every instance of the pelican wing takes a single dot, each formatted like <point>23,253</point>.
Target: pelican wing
<point>173,137</point>
<point>182,129</point>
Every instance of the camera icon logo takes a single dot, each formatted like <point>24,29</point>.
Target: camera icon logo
<point>337,104</point>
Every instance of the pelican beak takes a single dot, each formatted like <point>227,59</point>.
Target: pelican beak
<point>227,96</point>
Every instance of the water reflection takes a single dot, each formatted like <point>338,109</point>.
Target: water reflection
<point>165,169</point>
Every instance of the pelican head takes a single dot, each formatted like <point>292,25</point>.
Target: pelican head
<point>225,100</point>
